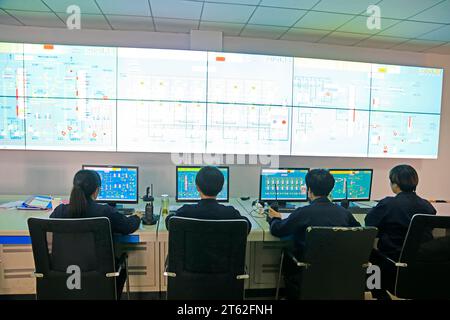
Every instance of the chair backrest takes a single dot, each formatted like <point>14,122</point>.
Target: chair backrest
<point>206,256</point>
<point>426,258</point>
<point>337,261</point>
<point>61,246</point>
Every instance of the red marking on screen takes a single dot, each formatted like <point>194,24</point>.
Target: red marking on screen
<point>220,58</point>
<point>48,47</point>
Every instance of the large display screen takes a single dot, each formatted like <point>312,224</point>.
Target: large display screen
<point>62,97</point>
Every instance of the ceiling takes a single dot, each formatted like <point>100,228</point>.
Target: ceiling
<point>410,25</point>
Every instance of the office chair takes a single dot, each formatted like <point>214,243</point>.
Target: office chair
<point>206,259</point>
<point>333,264</point>
<point>66,248</point>
<point>423,269</point>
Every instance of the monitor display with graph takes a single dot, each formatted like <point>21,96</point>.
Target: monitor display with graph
<point>352,184</point>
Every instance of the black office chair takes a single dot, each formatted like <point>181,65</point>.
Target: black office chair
<point>64,247</point>
<point>206,259</point>
<point>423,269</point>
<point>334,263</point>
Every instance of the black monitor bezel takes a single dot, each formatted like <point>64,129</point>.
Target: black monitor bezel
<point>355,169</point>
<point>84,166</point>
<point>196,200</point>
<point>284,200</point>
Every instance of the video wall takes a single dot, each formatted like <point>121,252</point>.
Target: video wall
<point>61,97</point>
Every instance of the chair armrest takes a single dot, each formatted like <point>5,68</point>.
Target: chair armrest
<point>294,259</point>
<point>243,276</point>
<point>389,260</point>
<point>168,273</point>
<point>121,264</point>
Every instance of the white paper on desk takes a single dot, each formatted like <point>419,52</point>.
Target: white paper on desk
<point>11,205</point>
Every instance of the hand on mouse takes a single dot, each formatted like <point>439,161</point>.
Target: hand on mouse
<point>274,214</point>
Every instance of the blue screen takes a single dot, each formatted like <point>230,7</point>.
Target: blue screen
<point>359,183</point>
<point>283,184</point>
<point>119,184</point>
<point>187,189</point>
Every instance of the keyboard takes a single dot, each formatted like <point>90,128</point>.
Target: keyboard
<point>126,211</point>
<point>286,210</point>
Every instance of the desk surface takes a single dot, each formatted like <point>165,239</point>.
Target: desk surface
<point>13,222</point>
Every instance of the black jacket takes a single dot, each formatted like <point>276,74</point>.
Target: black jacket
<point>208,209</point>
<point>392,217</point>
<point>119,222</point>
<point>320,213</point>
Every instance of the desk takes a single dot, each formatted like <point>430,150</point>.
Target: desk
<point>16,257</point>
<point>147,249</point>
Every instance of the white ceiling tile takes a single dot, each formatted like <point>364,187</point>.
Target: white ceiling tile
<point>86,6</point>
<point>228,29</point>
<point>409,29</point>
<point>175,25</point>
<point>343,38</point>
<point>417,45</point>
<point>227,12</point>
<point>8,20</point>
<point>444,49</point>
<point>439,13</point>
<point>442,34</point>
<point>380,42</point>
<point>308,35</point>
<point>38,19</point>
<point>359,25</point>
<point>125,7</point>
<point>296,4</point>
<point>131,23</point>
<point>267,32</point>
<point>344,6</point>
<point>276,16</point>
<point>250,2</point>
<point>176,9</point>
<point>26,5</point>
<point>90,21</point>
<point>323,20</point>
<point>402,9</point>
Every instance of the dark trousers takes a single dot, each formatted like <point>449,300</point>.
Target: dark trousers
<point>388,275</point>
<point>292,276</point>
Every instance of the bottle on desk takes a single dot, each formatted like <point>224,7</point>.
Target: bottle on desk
<point>164,204</point>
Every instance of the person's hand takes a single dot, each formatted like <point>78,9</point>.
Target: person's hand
<point>274,214</point>
<point>139,214</point>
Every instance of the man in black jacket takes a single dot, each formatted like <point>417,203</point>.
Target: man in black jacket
<point>321,212</point>
<point>209,181</point>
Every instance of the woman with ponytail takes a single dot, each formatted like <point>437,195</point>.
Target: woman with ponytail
<point>86,186</point>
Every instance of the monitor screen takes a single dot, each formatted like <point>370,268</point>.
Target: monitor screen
<point>352,184</point>
<point>187,189</point>
<point>283,184</point>
<point>119,183</point>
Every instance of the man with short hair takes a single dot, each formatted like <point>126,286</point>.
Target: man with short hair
<point>209,182</point>
<point>321,212</point>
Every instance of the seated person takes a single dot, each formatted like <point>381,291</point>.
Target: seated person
<point>392,217</point>
<point>320,212</point>
<point>209,182</point>
<point>86,187</point>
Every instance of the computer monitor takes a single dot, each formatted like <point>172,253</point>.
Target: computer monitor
<point>187,189</point>
<point>119,183</point>
<point>352,184</point>
<point>283,185</point>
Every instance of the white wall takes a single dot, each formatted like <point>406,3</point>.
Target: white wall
<point>27,172</point>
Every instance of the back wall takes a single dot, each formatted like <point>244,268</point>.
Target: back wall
<point>51,172</point>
